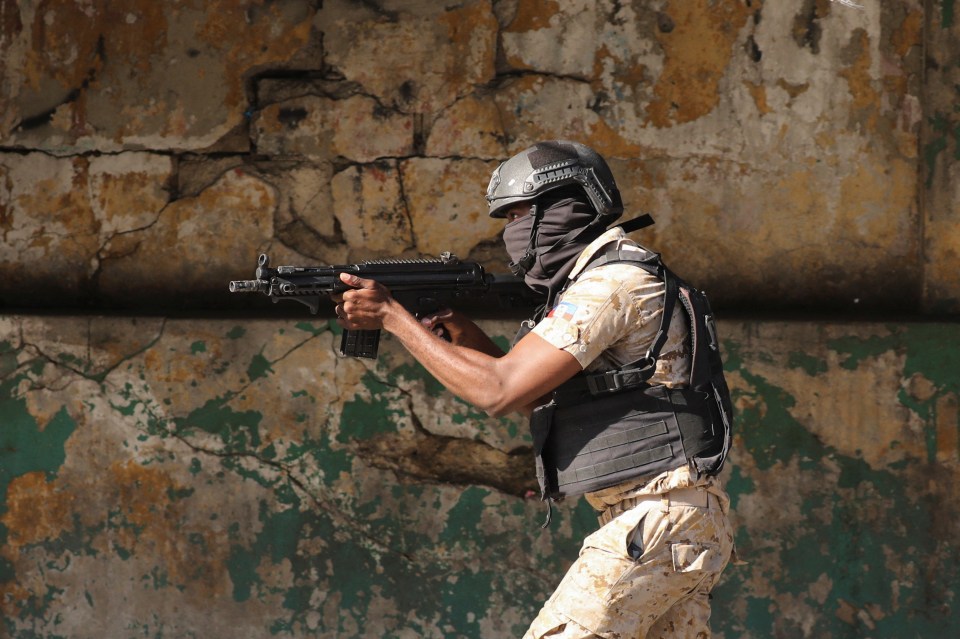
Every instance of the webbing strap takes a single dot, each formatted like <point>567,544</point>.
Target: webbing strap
<point>604,442</point>
<point>637,223</point>
<point>613,381</point>
<point>669,298</point>
<point>638,372</point>
<point>615,465</point>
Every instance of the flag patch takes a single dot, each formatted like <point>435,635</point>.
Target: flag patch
<point>563,310</point>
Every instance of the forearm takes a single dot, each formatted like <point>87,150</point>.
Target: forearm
<point>462,331</point>
<point>470,371</point>
<point>494,382</point>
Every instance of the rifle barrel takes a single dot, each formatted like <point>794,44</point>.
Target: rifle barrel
<point>249,286</point>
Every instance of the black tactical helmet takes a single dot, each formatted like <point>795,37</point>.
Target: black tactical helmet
<point>549,165</point>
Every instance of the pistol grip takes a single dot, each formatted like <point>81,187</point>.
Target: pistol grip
<point>360,343</point>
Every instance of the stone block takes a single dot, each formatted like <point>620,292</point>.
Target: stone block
<point>369,204</point>
<point>416,57</point>
<point>356,129</point>
<point>448,211</point>
<point>192,247</point>
<point>59,214</point>
<point>137,75</point>
<point>471,127</point>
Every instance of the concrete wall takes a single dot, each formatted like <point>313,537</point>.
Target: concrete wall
<point>176,461</point>
<point>235,478</point>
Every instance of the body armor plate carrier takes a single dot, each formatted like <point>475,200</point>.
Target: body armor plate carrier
<point>602,429</point>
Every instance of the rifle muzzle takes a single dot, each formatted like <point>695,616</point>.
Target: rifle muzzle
<point>249,286</point>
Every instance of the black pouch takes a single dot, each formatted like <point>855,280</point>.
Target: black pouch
<point>540,421</point>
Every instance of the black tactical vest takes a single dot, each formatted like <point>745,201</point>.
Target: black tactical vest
<point>602,429</point>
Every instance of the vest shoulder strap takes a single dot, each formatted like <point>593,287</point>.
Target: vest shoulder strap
<point>636,373</point>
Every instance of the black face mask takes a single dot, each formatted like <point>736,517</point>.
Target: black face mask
<point>560,233</point>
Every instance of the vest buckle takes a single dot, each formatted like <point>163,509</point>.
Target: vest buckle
<point>608,382</point>
<point>618,380</point>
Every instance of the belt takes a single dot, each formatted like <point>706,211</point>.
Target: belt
<point>698,497</point>
<point>695,497</point>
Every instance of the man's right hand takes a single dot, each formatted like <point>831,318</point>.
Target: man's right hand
<point>461,331</point>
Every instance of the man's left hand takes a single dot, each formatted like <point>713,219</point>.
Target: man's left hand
<point>366,306</point>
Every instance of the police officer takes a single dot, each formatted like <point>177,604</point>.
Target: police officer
<point>649,472</point>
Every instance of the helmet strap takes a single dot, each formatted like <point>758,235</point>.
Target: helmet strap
<point>526,261</point>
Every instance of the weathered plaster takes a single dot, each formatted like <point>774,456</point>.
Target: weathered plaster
<point>236,477</point>
<point>442,195</point>
<point>418,58</point>
<point>356,128</point>
<point>792,132</point>
<point>370,206</point>
<point>60,214</point>
<point>129,74</point>
<point>231,218</point>
<point>940,155</point>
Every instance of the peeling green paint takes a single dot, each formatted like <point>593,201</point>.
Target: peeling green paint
<point>259,367</point>
<point>176,494</point>
<point>277,540</point>
<point>866,531</point>
<point>238,430</point>
<point>236,332</point>
<point>415,371</point>
<point>25,445</point>
<point>783,438</point>
<point>926,354</point>
<point>314,330</point>
<point>942,130</point>
<point>931,351</point>
<point>739,484</point>
<point>8,358</point>
<point>333,461</point>
<point>461,528</point>
<point>382,557</point>
<point>858,349</point>
<point>362,419</point>
<point>810,365</point>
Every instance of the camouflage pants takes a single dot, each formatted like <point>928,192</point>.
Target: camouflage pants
<point>646,573</point>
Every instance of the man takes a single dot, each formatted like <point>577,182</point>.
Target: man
<point>606,375</point>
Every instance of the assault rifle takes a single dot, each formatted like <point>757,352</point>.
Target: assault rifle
<point>422,286</point>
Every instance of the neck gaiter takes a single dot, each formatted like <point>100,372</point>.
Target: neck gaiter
<point>562,233</point>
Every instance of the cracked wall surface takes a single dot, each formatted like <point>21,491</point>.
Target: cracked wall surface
<point>229,475</point>
<point>813,139</point>
<point>229,478</point>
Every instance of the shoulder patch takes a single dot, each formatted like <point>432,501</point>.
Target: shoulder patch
<point>564,311</point>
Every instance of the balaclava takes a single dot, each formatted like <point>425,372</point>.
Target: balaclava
<point>544,245</point>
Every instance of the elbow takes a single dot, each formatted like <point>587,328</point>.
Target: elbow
<point>497,411</point>
<point>514,404</point>
<point>521,408</point>
<point>502,393</point>
<point>498,405</point>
